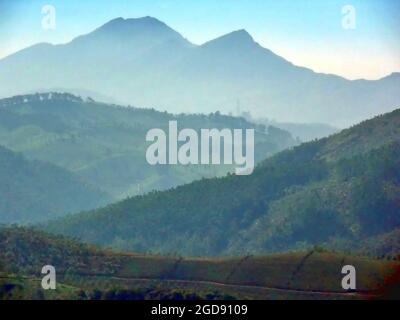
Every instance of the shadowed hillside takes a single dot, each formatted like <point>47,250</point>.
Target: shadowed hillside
<point>33,191</point>
<point>333,192</point>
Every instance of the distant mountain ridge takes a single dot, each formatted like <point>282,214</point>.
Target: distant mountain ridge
<point>144,62</point>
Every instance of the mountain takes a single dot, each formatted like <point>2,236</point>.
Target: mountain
<point>86,272</point>
<point>106,144</point>
<point>144,62</point>
<point>33,191</point>
<point>304,132</point>
<point>335,192</point>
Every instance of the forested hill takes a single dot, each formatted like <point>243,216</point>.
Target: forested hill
<point>334,192</point>
<point>32,191</point>
<point>106,144</point>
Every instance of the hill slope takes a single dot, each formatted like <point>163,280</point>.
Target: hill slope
<point>136,58</point>
<point>334,192</point>
<point>106,144</point>
<point>305,275</point>
<point>33,191</point>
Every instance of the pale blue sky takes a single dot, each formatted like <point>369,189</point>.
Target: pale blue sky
<point>306,32</point>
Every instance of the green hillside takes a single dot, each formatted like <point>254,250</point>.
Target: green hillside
<point>33,191</point>
<point>106,145</point>
<point>15,287</point>
<point>84,271</point>
<point>320,193</point>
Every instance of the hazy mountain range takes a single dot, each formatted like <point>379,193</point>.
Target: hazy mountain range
<point>304,132</point>
<point>146,63</point>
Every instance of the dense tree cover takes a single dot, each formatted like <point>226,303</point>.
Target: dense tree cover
<point>359,200</point>
<point>25,251</point>
<point>106,145</point>
<point>334,191</point>
<point>33,191</point>
<point>383,246</point>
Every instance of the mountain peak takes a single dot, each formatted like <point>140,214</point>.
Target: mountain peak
<point>126,30</point>
<point>118,23</point>
<point>149,19</point>
<point>238,38</point>
<point>241,33</point>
